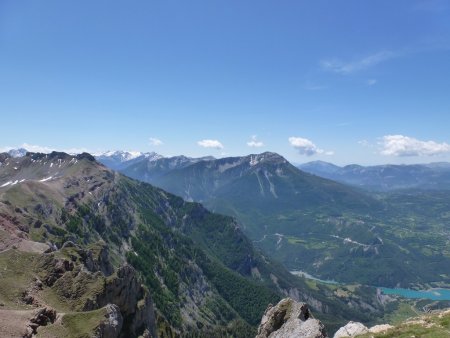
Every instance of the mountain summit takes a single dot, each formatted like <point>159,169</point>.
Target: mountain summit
<point>17,152</point>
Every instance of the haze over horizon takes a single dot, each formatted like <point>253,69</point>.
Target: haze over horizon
<point>343,82</point>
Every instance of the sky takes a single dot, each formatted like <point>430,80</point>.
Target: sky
<point>352,81</point>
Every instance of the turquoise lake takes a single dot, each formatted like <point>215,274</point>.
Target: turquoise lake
<point>433,294</point>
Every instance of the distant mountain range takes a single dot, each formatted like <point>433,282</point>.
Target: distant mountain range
<point>326,228</point>
<point>118,160</point>
<point>385,177</point>
<point>150,167</point>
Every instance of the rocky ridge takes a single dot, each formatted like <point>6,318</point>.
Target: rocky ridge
<point>60,290</point>
<point>290,319</point>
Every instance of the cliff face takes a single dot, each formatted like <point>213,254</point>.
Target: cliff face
<point>125,290</point>
<point>56,292</point>
<point>290,319</point>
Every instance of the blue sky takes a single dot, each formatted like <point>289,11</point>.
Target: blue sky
<point>342,81</point>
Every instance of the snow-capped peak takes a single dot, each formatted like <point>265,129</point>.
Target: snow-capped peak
<point>125,156</point>
<point>122,156</point>
<point>152,156</point>
<point>18,152</point>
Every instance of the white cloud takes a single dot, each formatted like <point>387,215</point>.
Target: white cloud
<point>306,147</point>
<point>399,145</point>
<point>5,149</point>
<point>371,82</point>
<point>210,144</point>
<point>36,148</point>
<point>155,141</point>
<point>74,151</point>
<point>43,149</point>
<point>254,143</point>
<point>341,67</point>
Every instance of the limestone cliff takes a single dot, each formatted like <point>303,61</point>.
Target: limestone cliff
<point>290,319</point>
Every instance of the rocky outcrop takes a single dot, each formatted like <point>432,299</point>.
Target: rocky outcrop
<point>54,268</point>
<point>112,325</point>
<point>80,281</point>
<point>354,329</point>
<point>42,317</point>
<point>125,290</point>
<point>290,319</point>
<point>94,259</point>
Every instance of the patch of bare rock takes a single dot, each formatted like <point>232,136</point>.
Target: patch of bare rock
<point>290,319</point>
<point>354,329</point>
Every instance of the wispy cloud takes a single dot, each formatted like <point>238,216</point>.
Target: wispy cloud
<point>155,141</point>
<point>402,146</point>
<point>210,144</point>
<point>349,67</point>
<point>371,82</point>
<point>36,148</point>
<point>306,147</point>
<point>346,67</point>
<point>254,143</point>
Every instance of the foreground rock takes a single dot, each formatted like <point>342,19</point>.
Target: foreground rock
<point>352,329</point>
<point>355,329</point>
<point>290,319</point>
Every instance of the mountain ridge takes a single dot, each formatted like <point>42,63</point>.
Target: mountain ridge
<point>385,177</point>
<point>309,223</point>
<point>65,198</point>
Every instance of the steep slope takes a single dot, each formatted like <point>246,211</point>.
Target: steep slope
<point>434,176</point>
<point>268,177</point>
<point>50,275</point>
<point>312,224</point>
<point>150,169</point>
<point>201,272</point>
